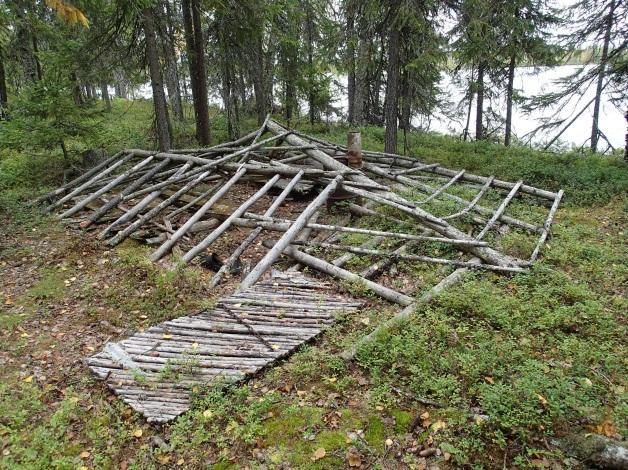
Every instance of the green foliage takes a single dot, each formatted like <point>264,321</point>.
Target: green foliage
<point>45,116</point>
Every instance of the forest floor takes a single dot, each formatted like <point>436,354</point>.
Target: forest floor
<point>515,365</point>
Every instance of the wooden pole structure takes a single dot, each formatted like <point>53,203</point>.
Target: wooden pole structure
<point>500,211</point>
<point>118,198</point>
<point>546,227</point>
<point>328,268</point>
<point>89,182</point>
<point>212,237</point>
<point>79,179</point>
<point>255,233</point>
<point>119,179</point>
<point>156,210</point>
<point>168,244</point>
<point>137,208</point>
<point>287,237</point>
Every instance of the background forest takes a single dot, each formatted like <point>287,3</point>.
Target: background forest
<point>304,59</point>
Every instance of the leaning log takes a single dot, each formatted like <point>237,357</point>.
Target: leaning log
<point>284,241</point>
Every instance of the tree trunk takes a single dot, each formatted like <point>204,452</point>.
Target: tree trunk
<point>479,110</point>
<point>104,90</point>
<point>392,92</point>
<point>88,91</point>
<point>228,96</point>
<point>4,97</point>
<point>465,133</point>
<point>257,75</point>
<point>509,93</point>
<point>626,149</point>
<point>311,74</point>
<point>77,95</point>
<point>350,38</point>
<point>196,62</point>
<point>24,43</point>
<point>595,130</point>
<point>361,83</point>
<point>172,74</point>
<point>159,98</point>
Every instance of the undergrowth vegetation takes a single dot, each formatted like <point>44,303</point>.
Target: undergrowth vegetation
<point>498,371</point>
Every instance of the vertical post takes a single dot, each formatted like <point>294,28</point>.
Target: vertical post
<point>354,149</point>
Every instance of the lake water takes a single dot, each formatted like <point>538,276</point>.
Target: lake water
<point>528,82</point>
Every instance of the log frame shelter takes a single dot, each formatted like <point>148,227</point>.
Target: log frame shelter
<point>409,211</point>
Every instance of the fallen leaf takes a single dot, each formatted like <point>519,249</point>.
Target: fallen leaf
<point>194,345</point>
<point>588,382</point>
<point>207,413</point>
<point>542,399</point>
<point>389,442</point>
<point>332,379</point>
<point>354,459</point>
<point>379,408</point>
<point>165,336</point>
<point>180,462</point>
<point>301,393</point>
<point>85,454</point>
<point>606,428</point>
<point>425,415</point>
<point>163,459</point>
<point>365,320</point>
<point>28,379</point>
<point>137,433</point>
<point>319,454</point>
<point>489,380</point>
<point>438,425</point>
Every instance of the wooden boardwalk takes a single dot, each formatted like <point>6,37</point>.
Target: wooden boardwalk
<point>155,371</point>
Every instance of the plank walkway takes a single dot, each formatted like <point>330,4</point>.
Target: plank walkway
<point>155,371</point>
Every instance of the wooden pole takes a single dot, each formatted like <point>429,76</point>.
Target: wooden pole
<point>90,182</point>
<point>168,244</point>
<point>255,233</point>
<point>454,278</point>
<point>137,208</point>
<point>500,210</point>
<point>546,227</point>
<point>287,237</point>
<point>119,179</point>
<point>156,210</point>
<point>328,268</point>
<point>79,179</point>
<point>212,237</point>
<point>118,198</point>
